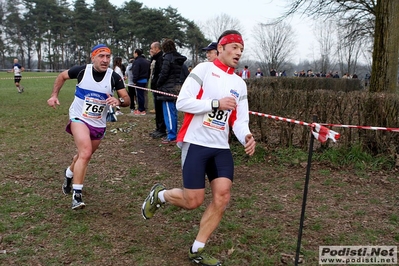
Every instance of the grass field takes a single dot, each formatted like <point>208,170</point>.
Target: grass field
<point>37,226</point>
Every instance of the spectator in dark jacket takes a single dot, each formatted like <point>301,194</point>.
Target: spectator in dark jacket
<point>336,76</point>
<point>155,69</point>
<point>140,70</point>
<point>170,81</point>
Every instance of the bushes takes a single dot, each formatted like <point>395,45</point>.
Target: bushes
<point>334,101</point>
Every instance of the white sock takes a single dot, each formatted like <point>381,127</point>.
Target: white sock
<point>69,173</point>
<point>161,197</point>
<point>196,245</point>
<point>77,187</point>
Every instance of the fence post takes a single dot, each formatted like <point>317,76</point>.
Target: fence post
<point>305,194</point>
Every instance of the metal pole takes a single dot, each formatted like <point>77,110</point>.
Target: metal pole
<point>305,194</point>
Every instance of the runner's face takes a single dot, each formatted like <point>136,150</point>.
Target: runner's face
<point>230,54</point>
<point>101,61</point>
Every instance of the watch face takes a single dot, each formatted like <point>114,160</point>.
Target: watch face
<point>215,104</point>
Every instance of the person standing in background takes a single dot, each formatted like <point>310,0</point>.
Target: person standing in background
<point>258,73</point>
<point>17,69</point>
<point>155,69</point>
<point>245,74</point>
<point>170,81</point>
<point>141,67</point>
<point>211,51</point>
<point>118,68</point>
<point>130,88</point>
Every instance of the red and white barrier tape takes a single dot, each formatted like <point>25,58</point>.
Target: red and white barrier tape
<point>319,130</point>
<point>281,118</point>
<point>363,127</point>
<point>44,77</point>
<point>156,91</point>
<point>323,133</point>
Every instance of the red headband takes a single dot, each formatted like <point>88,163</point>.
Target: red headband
<point>100,50</point>
<point>231,38</point>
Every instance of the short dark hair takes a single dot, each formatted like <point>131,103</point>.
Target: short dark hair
<point>138,51</point>
<point>227,32</point>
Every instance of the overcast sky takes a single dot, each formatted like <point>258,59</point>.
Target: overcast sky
<point>249,12</point>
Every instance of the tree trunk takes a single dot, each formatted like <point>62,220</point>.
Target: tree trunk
<point>386,47</point>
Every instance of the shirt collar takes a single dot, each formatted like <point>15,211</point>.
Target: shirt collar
<point>223,67</point>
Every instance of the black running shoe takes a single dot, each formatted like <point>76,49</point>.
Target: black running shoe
<point>67,185</point>
<point>77,202</point>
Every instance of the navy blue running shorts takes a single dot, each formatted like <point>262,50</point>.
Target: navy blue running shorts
<point>199,160</point>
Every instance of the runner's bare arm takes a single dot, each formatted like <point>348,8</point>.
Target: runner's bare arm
<point>58,83</point>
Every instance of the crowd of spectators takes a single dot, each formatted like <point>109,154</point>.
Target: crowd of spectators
<point>321,74</point>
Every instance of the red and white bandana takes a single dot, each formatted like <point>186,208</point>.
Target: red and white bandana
<point>231,38</point>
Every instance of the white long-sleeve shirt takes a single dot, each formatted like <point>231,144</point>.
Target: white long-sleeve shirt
<point>202,125</point>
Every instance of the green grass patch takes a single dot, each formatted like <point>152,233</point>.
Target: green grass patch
<point>37,226</point>
<point>355,157</point>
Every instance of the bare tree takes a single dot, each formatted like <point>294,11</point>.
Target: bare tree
<point>376,17</point>
<point>326,43</point>
<point>215,26</point>
<point>349,50</point>
<point>367,54</point>
<point>275,44</point>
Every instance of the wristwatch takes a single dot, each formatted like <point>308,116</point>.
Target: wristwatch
<point>215,104</point>
<point>122,100</point>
